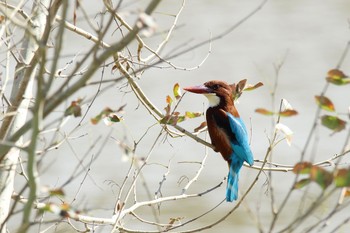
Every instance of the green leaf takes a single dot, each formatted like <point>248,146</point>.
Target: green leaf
<point>56,192</point>
<point>176,91</point>
<point>322,177</point>
<point>180,119</point>
<point>301,183</point>
<point>264,111</point>
<point>339,82</point>
<point>337,77</point>
<point>165,120</point>
<point>175,117</point>
<point>46,208</point>
<point>342,178</point>
<point>104,113</point>
<point>169,120</point>
<point>74,108</point>
<point>114,118</point>
<point>172,120</point>
<point>332,122</point>
<point>325,103</point>
<point>316,174</point>
<point>302,168</point>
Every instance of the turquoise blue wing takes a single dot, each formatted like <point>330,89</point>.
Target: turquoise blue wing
<point>240,144</point>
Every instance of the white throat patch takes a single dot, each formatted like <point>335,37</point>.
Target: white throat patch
<point>213,99</point>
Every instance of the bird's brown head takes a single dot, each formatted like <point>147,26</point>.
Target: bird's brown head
<point>219,93</point>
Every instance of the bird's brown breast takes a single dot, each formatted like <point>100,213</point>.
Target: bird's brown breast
<point>216,118</point>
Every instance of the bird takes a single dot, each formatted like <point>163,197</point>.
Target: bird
<point>226,129</point>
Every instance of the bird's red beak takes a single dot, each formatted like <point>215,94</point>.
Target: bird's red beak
<point>201,89</point>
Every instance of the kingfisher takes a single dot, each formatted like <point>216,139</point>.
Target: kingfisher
<point>227,131</point>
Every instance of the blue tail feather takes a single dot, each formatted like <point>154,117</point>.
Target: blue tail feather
<point>232,180</point>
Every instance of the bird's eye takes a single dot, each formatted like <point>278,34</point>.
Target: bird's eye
<point>215,86</point>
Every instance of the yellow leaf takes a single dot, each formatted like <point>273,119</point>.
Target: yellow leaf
<point>168,99</point>
<point>288,113</point>
<point>264,111</point>
<point>176,91</point>
<point>251,87</point>
<point>325,103</point>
